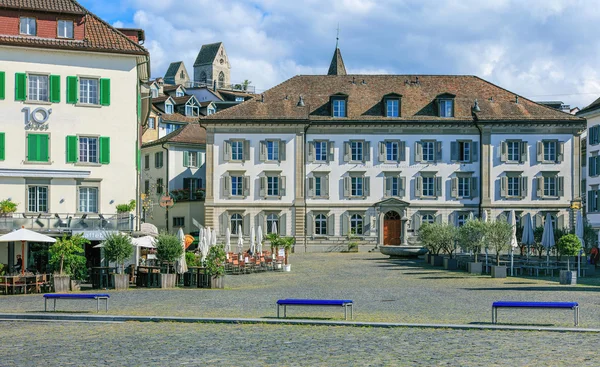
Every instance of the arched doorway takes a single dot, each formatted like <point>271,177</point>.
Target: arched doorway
<point>392,228</point>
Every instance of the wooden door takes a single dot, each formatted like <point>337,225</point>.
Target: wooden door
<point>392,229</point>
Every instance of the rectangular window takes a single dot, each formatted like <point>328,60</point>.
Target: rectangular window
<point>550,188</point>
<point>446,108</point>
<point>37,199</point>
<point>151,123</point>
<point>356,150</point>
<point>158,159</point>
<point>237,185</point>
<point>169,128</point>
<point>65,29</point>
<point>464,187</point>
<point>27,26</point>
<point>272,150</point>
<point>357,186</point>
<point>272,185</point>
<point>513,151</point>
<point>464,151</point>
<point>192,159</point>
<point>237,150</point>
<point>179,93</point>
<point>191,111</point>
<point>159,186</point>
<point>88,149</point>
<point>178,222</point>
<point>154,92</point>
<point>88,91</point>
<point>339,108</point>
<point>168,108</point>
<point>428,151</point>
<point>392,107</point>
<point>391,151</point>
<point>428,187</point>
<point>321,151</point>
<point>88,199</point>
<point>549,151</point>
<point>38,87</point>
<point>514,186</point>
<point>318,183</point>
<point>147,161</point>
<point>147,187</point>
<point>395,186</point>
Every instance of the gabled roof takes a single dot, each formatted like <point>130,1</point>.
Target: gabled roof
<point>162,99</point>
<point>172,70</point>
<point>591,107</point>
<point>365,94</point>
<point>183,99</point>
<point>207,53</point>
<point>171,88</point>
<point>178,117</point>
<point>337,66</point>
<point>191,133</point>
<point>99,35</point>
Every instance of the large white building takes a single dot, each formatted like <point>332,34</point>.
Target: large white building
<point>592,114</point>
<point>374,156</point>
<point>71,111</point>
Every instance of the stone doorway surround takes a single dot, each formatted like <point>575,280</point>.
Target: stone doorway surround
<point>388,205</point>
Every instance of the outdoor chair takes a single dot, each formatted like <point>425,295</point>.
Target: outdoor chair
<point>269,263</point>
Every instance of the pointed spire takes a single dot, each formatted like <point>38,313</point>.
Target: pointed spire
<point>337,64</point>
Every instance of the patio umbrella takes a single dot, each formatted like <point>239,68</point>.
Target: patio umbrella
<point>200,238</point>
<point>213,238</point>
<point>252,241</point>
<point>203,248</point>
<point>227,240</point>
<point>207,234</point>
<point>579,234</point>
<point>25,235</point>
<point>527,239</point>
<point>548,237</point>
<point>259,239</point>
<point>240,244</point>
<point>513,239</point>
<point>181,263</point>
<point>145,242</point>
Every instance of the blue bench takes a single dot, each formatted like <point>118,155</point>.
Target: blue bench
<point>517,304</point>
<point>55,296</point>
<point>345,303</point>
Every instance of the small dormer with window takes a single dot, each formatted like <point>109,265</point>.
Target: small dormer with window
<point>391,105</point>
<point>154,90</point>
<point>445,105</point>
<point>192,108</point>
<point>169,106</point>
<point>339,105</point>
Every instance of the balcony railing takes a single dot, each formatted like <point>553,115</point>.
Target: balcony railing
<point>239,87</point>
<point>61,222</point>
<point>182,195</point>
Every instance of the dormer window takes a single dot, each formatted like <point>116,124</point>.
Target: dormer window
<point>191,109</point>
<point>179,93</point>
<point>445,104</point>
<point>391,105</point>
<point>168,108</point>
<point>239,99</point>
<point>154,92</point>
<point>27,26</point>
<point>65,29</point>
<point>339,105</point>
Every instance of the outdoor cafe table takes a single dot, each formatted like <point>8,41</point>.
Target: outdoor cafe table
<point>195,277</point>
<point>148,276</point>
<point>22,281</point>
<point>101,278</point>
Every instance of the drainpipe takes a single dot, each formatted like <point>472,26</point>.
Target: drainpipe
<point>166,185</point>
<point>475,120</point>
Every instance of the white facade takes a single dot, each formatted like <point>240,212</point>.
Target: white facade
<point>593,163</point>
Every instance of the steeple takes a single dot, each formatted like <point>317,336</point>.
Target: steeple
<point>337,64</point>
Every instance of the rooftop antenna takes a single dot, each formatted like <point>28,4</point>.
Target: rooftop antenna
<point>337,38</point>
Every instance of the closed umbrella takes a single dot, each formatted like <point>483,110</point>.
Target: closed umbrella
<point>548,237</point>
<point>24,235</point>
<point>200,238</point>
<point>240,243</point>
<point>513,239</point>
<point>227,240</point>
<point>203,248</point>
<point>208,237</point>
<point>579,234</point>
<point>252,241</point>
<point>181,263</point>
<point>528,239</point>
<point>213,238</point>
<point>259,239</point>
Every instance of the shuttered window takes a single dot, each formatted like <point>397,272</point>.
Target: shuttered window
<point>104,150</point>
<point>20,87</point>
<point>2,85</point>
<point>72,85</point>
<point>105,92</point>
<point>54,88</point>
<point>37,147</point>
<point>72,149</point>
<point>2,146</point>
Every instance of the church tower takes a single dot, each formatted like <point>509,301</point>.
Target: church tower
<point>212,64</point>
<point>337,64</point>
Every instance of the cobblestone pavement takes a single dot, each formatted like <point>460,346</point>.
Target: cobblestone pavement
<point>173,344</point>
<point>382,289</point>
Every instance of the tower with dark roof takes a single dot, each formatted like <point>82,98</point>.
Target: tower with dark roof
<point>212,65</point>
<point>337,64</point>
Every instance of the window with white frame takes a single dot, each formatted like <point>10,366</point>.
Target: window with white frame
<point>147,161</point>
<point>168,108</point>
<point>27,26</point>
<point>320,224</point>
<point>513,150</point>
<point>356,150</point>
<point>428,188</point>
<point>461,219</point>
<point>550,186</point>
<point>236,222</point>
<point>319,180</point>
<point>237,150</point>
<point>514,186</point>
<point>169,128</point>
<point>549,150</point>
<point>446,108</point>
<point>158,159</point>
<point>272,223</point>
<point>464,187</point>
<point>37,87</point>
<point>192,158</point>
<point>37,199</point>
<point>356,185</point>
<point>391,151</point>
<point>356,224</point>
<point>88,199</point>
<point>154,92</point>
<point>339,107</point>
<point>88,91</point>
<point>272,185</point>
<point>159,186</point>
<point>428,151</point>
<point>88,149</point>
<point>272,150</point>
<point>320,151</point>
<point>392,107</point>
<point>464,151</point>
<point>237,185</point>
<point>210,111</point>
<point>178,222</point>
<point>191,110</point>
<point>65,29</point>
<point>427,218</point>
<point>151,123</point>
<point>178,92</point>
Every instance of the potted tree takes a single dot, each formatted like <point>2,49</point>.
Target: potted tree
<point>125,208</point>
<point>497,235</point>
<point>446,235</point>
<point>287,243</point>
<point>275,241</point>
<point>118,248</point>
<point>65,256</point>
<point>568,245</point>
<point>428,237</point>
<point>168,249</point>
<point>215,266</point>
<point>7,208</point>
<point>470,237</point>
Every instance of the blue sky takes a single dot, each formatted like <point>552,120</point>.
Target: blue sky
<point>542,49</point>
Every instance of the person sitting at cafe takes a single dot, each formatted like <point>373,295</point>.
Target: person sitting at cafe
<point>19,264</point>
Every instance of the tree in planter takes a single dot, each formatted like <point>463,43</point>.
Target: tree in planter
<point>471,234</point>
<point>65,254</point>
<point>275,242</point>
<point>569,245</point>
<point>118,248</point>
<point>445,234</point>
<point>287,243</point>
<point>538,232</point>
<point>215,261</point>
<point>428,237</point>
<point>168,248</point>
<point>497,235</point>
<point>191,259</point>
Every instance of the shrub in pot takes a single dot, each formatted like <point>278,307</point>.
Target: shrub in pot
<point>168,249</point>
<point>215,266</point>
<point>470,237</point>
<point>429,236</point>
<point>287,243</point>
<point>568,245</point>
<point>66,259</point>
<point>497,236</point>
<point>117,249</point>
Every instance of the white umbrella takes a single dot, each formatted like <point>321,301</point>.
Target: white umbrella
<point>484,219</point>
<point>259,239</point>
<point>528,239</point>
<point>213,238</point>
<point>513,239</point>
<point>181,263</point>
<point>240,244</point>
<point>228,240</point>
<point>274,228</point>
<point>579,234</point>
<point>548,237</point>
<point>145,242</point>
<point>200,238</point>
<point>203,248</point>
<point>207,234</point>
<point>252,241</point>
<point>25,235</point>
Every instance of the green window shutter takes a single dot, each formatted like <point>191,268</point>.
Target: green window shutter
<point>31,147</point>
<point>104,150</point>
<point>20,87</point>
<point>2,146</point>
<point>138,158</point>
<point>139,105</point>
<point>186,159</point>
<point>44,145</point>
<point>2,85</point>
<point>105,92</point>
<point>37,147</point>
<point>54,88</point>
<point>72,156</point>
<point>72,84</point>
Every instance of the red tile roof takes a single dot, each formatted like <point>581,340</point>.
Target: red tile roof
<point>55,6</point>
<point>191,133</point>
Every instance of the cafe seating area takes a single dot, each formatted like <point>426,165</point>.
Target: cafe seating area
<point>246,264</point>
<point>26,283</point>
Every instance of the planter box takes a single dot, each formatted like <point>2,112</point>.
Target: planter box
<point>62,283</point>
<point>436,260</point>
<point>287,267</point>
<point>168,280</point>
<point>475,268</point>
<point>498,271</point>
<point>568,277</point>
<point>450,264</point>
<point>217,282</point>
<point>121,281</point>
<point>75,285</point>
